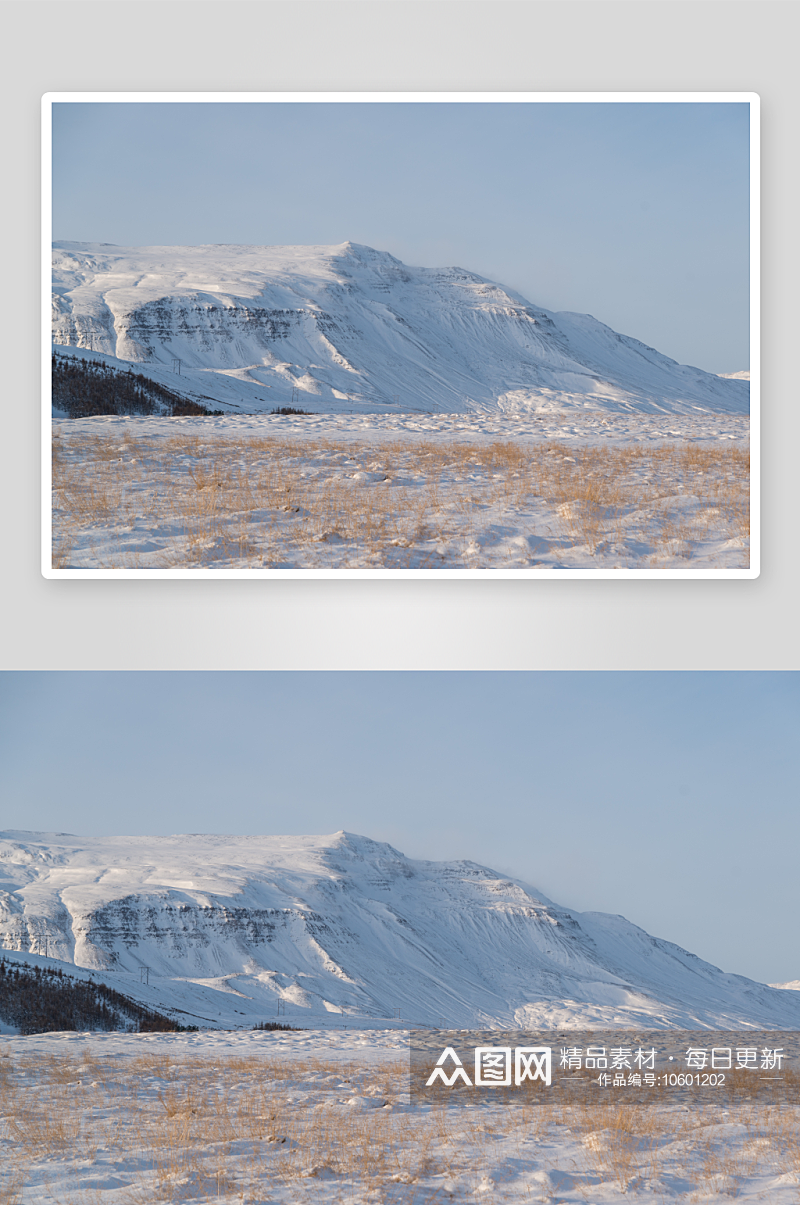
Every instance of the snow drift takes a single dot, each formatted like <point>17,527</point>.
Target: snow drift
<point>235,929</point>
<point>348,328</point>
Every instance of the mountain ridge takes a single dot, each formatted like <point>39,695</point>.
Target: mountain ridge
<point>248,928</point>
<point>347,328</point>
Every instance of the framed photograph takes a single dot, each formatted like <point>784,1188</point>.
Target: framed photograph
<point>400,334</point>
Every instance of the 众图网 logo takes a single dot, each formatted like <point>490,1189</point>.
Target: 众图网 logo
<point>494,1066</point>
<point>464,1066</point>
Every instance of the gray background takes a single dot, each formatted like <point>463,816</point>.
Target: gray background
<point>444,46</point>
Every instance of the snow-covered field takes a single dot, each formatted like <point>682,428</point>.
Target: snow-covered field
<point>322,1117</point>
<point>578,490</point>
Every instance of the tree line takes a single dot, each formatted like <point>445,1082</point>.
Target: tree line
<point>45,1000</point>
<point>83,388</point>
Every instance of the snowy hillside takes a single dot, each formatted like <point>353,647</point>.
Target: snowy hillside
<point>344,927</point>
<point>347,328</point>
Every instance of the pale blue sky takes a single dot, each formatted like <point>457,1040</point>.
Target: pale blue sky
<point>635,213</point>
<point>670,798</point>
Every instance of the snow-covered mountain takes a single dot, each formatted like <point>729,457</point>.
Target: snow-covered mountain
<point>347,328</point>
<point>343,927</point>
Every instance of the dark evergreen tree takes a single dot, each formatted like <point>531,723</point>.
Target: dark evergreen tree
<point>83,388</point>
<point>40,1000</point>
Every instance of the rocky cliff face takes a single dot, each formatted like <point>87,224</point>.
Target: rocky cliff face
<point>348,326</point>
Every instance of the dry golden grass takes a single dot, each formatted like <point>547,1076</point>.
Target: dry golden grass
<point>183,1128</point>
<point>255,502</point>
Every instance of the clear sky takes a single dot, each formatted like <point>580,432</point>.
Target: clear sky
<point>670,798</point>
<point>635,213</point>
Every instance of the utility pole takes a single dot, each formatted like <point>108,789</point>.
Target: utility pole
<point>144,975</point>
<point>175,361</point>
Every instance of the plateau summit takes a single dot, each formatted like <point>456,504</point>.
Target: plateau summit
<point>347,329</point>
